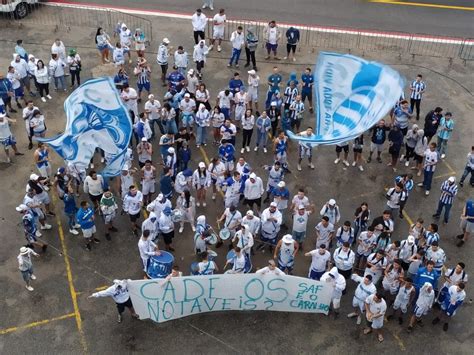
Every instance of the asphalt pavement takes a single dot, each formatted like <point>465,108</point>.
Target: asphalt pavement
<point>360,14</point>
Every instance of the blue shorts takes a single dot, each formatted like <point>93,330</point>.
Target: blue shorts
<point>142,87</point>
<point>8,142</point>
<point>299,236</point>
<point>315,275</point>
<point>226,112</point>
<point>271,47</point>
<point>19,92</point>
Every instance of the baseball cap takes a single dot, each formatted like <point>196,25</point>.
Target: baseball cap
<point>202,165</point>
<point>287,239</point>
<point>166,40</point>
<point>22,208</point>
<point>144,139</point>
<point>249,213</point>
<point>171,150</point>
<point>281,184</point>
<point>34,177</point>
<point>253,176</point>
<point>301,207</point>
<point>332,202</point>
<point>452,179</point>
<point>24,250</point>
<point>252,72</point>
<point>187,95</point>
<point>273,204</point>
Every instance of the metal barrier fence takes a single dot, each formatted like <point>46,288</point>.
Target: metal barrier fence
<point>311,37</point>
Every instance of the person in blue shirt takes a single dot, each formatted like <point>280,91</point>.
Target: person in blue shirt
<point>379,135</point>
<point>307,81</point>
<point>6,94</point>
<point>226,154</point>
<point>166,183</point>
<point>70,209</point>
<point>427,274</point>
<point>175,80</point>
<point>292,39</point>
<point>120,79</point>
<point>273,81</point>
<point>293,78</point>
<point>85,217</point>
<point>235,83</point>
<point>21,51</point>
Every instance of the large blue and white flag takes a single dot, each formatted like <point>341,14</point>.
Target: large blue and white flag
<point>352,95</point>
<point>96,118</point>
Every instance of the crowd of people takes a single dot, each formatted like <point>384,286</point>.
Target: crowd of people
<point>164,187</point>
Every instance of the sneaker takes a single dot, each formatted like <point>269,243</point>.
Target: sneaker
<point>298,167</point>
<point>33,277</point>
<point>352,315</point>
<point>236,65</point>
<point>369,159</point>
<point>88,247</point>
<point>361,168</point>
<point>267,57</point>
<point>73,231</point>
<point>229,65</point>
<point>29,288</point>
<point>294,59</point>
<point>198,204</point>
<point>402,157</point>
<point>354,164</point>
<point>311,166</point>
<point>247,148</point>
<point>38,234</point>
<point>50,213</point>
<point>285,58</point>
<point>135,232</point>
<point>96,241</point>
<point>102,160</point>
<point>359,320</point>
<point>49,97</point>
<point>379,159</point>
<point>219,48</point>
<point>204,204</point>
<point>460,243</point>
<point>210,47</point>
<point>46,226</point>
<point>119,319</point>
<point>420,184</point>
<point>418,173</point>
<point>265,150</point>
<point>193,228</point>
<point>77,225</point>
<point>242,151</point>
<point>13,110</point>
<point>113,229</point>
<point>255,149</point>
<point>442,157</point>
<point>181,229</point>
<point>213,196</point>
<point>43,99</point>
<point>92,165</point>
<point>409,329</point>
<point>427,192</point>
<point>337,161</point>
<point>435,321</point>
<point>400,320</point>
<point>346,163</point>
<point>407,163</point>
<point>461,183</point>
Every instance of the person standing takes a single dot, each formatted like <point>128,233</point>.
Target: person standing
<point>273,81</point>
<point>285,252</point>
<point>331,210</point>
<point>271,222</point>
<point>143,73</point>
<point>324,232</point>
<point>248,123</point>
<point>263,124</point>
<point>364,289</point>
<point>468,169</point>
<point>199,21</point>
<point>422,306</point>
<point>120,294</point>
<point>147,248</point>
<point>449,190</point>
<point>292,39</point>
<point>417,88</point>
<point>208,4</point>
<point>452,302</point>
<point>432,120</point>
<point>187,205</point>
<point>218,27</point>
<point>7,139</point>
<point>148,180</point>
<point>253,83</point>
<point>307,80</point>
<point>56,71</point>
<point>375,308</point>
<point>26,266</point>
<point>162,59</point>
<point>445,130</point>
<point>253,192</point>
<point>94,186</point>
<point>201,181</point>
<point>200,56</point>
<point>75,66</point>
<point>429,166</point>
<point>272,35</point>
<point>203,121</point>
<point>404,298</point>
<point>344,259</point>
<point>41,74</point>
<point>251,44</point>
<point>467,222</point>
<point>132,205</point>
<point>108,207</point>
<point>85,217</point>
<point>167,228</point>
<point>337,282</point>
<point>237,39</point>
<point>320,259</point>
<point>379,135</point>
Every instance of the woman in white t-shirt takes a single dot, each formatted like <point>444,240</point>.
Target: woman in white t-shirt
<point>217,120</point>
<point>203,97</point>
<point>37,124</point>
<point>41,74</point>
<point>56,70</point>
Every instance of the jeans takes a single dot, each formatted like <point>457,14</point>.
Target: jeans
<point>209,3</point>
<point>413,103</point>
<point>447,209</point>
<point>71,220</point>
<point>427,179</point>
<point>235,56</point>
<point>60,80</point>
<point>268,100</point>
<point>466,172</point>
<point>261,138</point>
<point>75,75</point>
<point>152,126</point>
<point>442,145</point>
<point>201,135</point>
<point>359,227</point>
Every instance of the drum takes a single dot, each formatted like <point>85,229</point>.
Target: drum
<point>176,216</point>
<point>212,239</point>
<point>224,234</point>
<point>194,268</point>
<point>160,266</point>
<point>211,255</point>
<point>230,255</point>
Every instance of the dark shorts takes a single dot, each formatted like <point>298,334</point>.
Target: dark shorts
<point>19,92</point>
<point>271,47</point>
<point>357,150</point>
<point>306,95</point>
<point>121,306</point>
<point>250,203</point>
<point>142,87</point>
<point>394,152</point>
<point>418,158</point>
<point>291,48</point>
<point>340,149</point>
<point>134,217</point>
<point>95,198</point>
<point>168,237</point>
<point>164,68</point>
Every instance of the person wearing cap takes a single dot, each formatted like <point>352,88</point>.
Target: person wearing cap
<point>285,252</point>
<point>364,289</point>
<point>199,22</point>
<point>271,269</point>
<point>171,161</point>
<point>296,112</point>
<point>305,148</point>
<point>324,232</point>
<point>201,181</point>
<point>252,222</point>
<point>183,181</point>
<point>275,175</point>
<point>167,227</point>
<point>203,120</point>
<point>158,205</point>
<point>143,73</point>
<point>162,58</point>
<point>431,159</point>
<point>375,308</point>
<point>243,238</point>
<point>166,142</point>
<point>238,262</point>
<point>29,219</point>
<point>218,27</point>
<point>271,222</point>
<point>132,205</point>
<point>251,44</point>
<point>271,35</point>
<point>181,60</point>
<point>406,252</point>
<point>151,224</point>
<point>86,219</point>
<point>108,207</point>
<point>445,130</point>
<point>237,39</point>
<point>126,179</point>
<point>253,83</point>
<point>393,275</point>
<point>331,210</point>
<point>56,67</point>
<point>7,139</point>
<point>217,171</point>
<point>166,182</point>
<point>449,190</point>
<point>148,181</point>
<point>41,197</point>
<point>200,56</point>
<point>253,192</point>
<point>320,259</point>
<point>75,66</point>
<point>120,294</point>
<point>337,282</point>
<point>241,101</point>
<point>281,195</point>
<point>274,113</point>
<point>153,111</point>
<point>187,108</point>
<point>228,131</point>
<point>25,265</point>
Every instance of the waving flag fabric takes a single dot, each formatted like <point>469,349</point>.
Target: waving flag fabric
<point>352,94</point>
<point>96,118</point>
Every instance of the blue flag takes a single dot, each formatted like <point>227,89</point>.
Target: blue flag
<point>96,118</point>
<point>352,95</point>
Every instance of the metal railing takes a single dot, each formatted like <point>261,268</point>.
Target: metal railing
<point>312,38</point>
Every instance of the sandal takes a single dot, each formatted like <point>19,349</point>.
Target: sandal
<point>380,337</point>
<point>367,331</point>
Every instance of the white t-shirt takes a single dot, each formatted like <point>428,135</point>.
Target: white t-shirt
<point>324,233</point>
<point>319,262</point>
<point>300,222</point>
<point>153,109</point>
<point>219,22</point>
<point>455,278</point>
<point>224,100</point>
<point>272,35</point>
<point>374,307</point>
<point>5,129</point>
<point>239,263</point>
<point>296,201</point>
<point>267,271</point>
<point>187,107</point>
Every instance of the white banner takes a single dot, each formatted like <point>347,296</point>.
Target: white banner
<point>161,300</point>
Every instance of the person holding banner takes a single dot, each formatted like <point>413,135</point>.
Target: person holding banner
<point>271,222</point>
<point>338,284</point>
<point>286,251</point>
<point>271,269</point>
<point>119,292</point>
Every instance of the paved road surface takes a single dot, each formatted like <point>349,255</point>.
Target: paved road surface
<point>345,13</point>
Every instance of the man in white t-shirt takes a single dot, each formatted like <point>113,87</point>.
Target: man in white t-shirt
<point>130,97</point>
<point>271,269</point>
<point>224,100</point>
<point>218,29</point>
<point>272,35</point>
<point>375,308</point>
<point>300,223</point>
<point>324,232</point>
<point>319,263</point>
<point>153,109</point>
